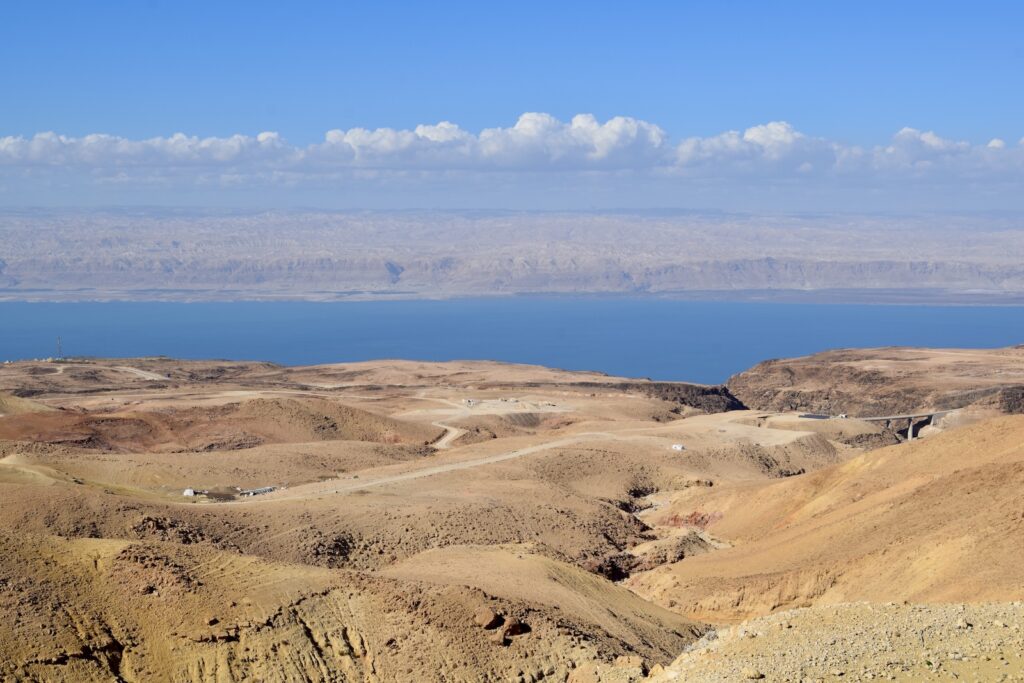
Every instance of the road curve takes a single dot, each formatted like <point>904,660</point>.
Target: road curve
<point>449,437</point>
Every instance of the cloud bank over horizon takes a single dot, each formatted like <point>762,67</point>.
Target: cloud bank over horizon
<point>618,153</point>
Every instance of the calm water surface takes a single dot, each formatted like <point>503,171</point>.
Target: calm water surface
<point>662,339</point>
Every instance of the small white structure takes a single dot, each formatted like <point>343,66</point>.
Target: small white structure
<point>188,493</point>
<point>678,447</point>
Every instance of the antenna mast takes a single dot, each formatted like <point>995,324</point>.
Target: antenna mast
<point>60,349</point>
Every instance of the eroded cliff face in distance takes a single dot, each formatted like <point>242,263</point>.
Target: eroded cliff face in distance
<point>329,255</point>
<point>890,381</point>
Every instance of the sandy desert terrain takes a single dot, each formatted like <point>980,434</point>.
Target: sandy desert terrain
<point>477,521</point>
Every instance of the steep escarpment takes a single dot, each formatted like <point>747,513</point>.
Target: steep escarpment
<point>709,399</point>
<point>889,381</point>
<point>396,271</point>
<point>317,255</point>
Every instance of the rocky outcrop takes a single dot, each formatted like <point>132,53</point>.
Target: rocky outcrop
<point>1011,400</point>
<point>709,399</point>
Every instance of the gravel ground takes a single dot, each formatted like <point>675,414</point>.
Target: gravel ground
<point>862,642</point>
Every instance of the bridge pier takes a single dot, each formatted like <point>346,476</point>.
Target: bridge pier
<point>894,421</point>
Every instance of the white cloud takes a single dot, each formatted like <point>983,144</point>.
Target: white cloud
<point>775,146</point>
<point>541,139</point>
<point>913,149</point>
<point>537,142</point>
<point>104,151</point>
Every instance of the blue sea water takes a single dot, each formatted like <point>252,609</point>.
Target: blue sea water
<point>661,339</point>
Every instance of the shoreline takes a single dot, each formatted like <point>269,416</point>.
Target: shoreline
<point>845,297</point>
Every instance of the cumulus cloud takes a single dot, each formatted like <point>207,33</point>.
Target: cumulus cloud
<point>914,149</point>
<point>99,150</point>
<point>775,146</point>
<point>537,142</point>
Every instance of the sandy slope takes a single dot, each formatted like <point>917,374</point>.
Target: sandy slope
<point>12,405</point>
<point>941,519</point>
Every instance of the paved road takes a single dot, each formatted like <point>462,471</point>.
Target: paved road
<point>912,416</point>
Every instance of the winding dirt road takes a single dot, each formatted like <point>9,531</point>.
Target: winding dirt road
<point>351,486</point>
<point>449,437</point>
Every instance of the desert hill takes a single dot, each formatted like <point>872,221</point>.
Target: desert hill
<point>936,520</point>
<point>116,610</point>
<point>225,427</point>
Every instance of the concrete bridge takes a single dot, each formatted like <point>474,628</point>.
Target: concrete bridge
<point>915,421</point>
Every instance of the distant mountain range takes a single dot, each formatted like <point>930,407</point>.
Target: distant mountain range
<point>181,255</point>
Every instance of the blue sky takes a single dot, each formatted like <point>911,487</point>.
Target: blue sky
<point>850,73</point>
